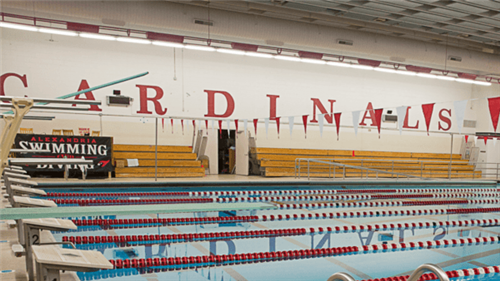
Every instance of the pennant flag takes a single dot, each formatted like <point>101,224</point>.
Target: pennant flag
<point>220,129</point>
<point>353,154</point>
<point>266,122</point>
<point>485,140</point>
<point>290,124</point>
<point>460,107</point>
<point>194,126</point>
<point>182,126</point>
<point>236,126</point>
<point>378,119</point>
<point>245,126</point>
<point>321,119</point>
<point>337,122</point>
<point>401,111</point>
<point>213,125</point>
<point>278,125</point>
<point>475,140</point>
<point>355,121</point>
<point>466,138</point>
<point>427,109</point>
<point>228,127</point>
<point>172,124</point>
<point>494,106</point>
<point>304,120</point>
<point>163,124</point>
<point>255,125</point>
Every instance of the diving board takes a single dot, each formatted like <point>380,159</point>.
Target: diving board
<point>34,213</point>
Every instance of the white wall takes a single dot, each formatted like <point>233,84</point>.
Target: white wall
<point>55,66</point>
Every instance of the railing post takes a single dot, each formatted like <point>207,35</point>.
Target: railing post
<point>334,172</point>
<point>343,173</point>
<point>308,170</point>
<point>497,171</point>
<point>421,169</point>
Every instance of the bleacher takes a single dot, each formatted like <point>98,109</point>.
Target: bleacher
<point>280,162</point>
<point>173,161</point>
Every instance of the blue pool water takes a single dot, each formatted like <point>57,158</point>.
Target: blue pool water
<point>237,238</point>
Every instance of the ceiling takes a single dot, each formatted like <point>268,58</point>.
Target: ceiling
<point>471,24</point>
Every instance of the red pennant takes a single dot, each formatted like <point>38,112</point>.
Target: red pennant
<point>194,125</point>
<point>304,120</point>
<point>378,119</point>
<point>485,140</point>
<point>494,105</point>
<point>172,125</point>
<point>255,125</point>
<point>163,124</point>
<point>427,109</point>
<point>182,125</point>
<point>337,122</point>
<point>278,125</point>
<point>353,155</point>
<point>220,129</point>
<point>236,126</point>
<point>466,138</point>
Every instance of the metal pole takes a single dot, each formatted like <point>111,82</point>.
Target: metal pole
<point>497,171</point>
<point>156,149</point>
<point>451,157</point>
<point>308,168</point>
<point>343,174</point>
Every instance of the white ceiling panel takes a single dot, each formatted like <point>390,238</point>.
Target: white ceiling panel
<point>467,8</point>
<point>489,21</point>
<point>476,26</point>
<point>364,11</point>
<point>449,13</point>
<point>431,17</point>
<point>380,6</point>
<point>415,21</point>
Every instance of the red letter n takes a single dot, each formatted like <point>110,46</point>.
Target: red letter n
<point>321,108</point>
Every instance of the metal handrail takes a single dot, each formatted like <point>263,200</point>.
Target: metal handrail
<point>342,276</point>
<point>428,267</point>
<point>496,169</point>
<point>343,166</point>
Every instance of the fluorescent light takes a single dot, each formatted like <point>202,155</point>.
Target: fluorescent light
<point>468,81</point>
<point>199,48</point>
<point>18,26</point>
<point>425,75</point>
<point>362,67</point>
<point>387,70</point>
<point>408,73</point>
<point>259,55</point>
<point>133,40</point>
<point>168,44</point>
<point>97,36</point>
<point>341,64</point>
<point>447,78</point>
<point>58,31</point>
<point>313,61</point>
<point>288,58</point>
<point>232,52</point>
<point>482,83</point>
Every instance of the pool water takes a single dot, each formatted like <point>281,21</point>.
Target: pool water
<point>314,233</point>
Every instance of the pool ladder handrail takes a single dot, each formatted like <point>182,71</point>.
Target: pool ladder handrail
<point>342,276</point>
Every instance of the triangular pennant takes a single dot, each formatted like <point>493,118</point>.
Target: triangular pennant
<point>460,107</point>
<point>172,125</point>
<point>355,121</point>
<point>278,125</point>
<point>255,121</point>
<point>304,121</point>
<point>428,109</point>
<point>290,124</point>
<point>337,123</point>
<point>236,126</point>
<point>228,127</point>
<point>182,126</point>
<point>378,119</point>
<point>220,129</point>
<point>245,126</point>
<point>163,124</point>
<point>194,125</point>
<point>485,140</point>
<point>321,120</point>
<point>401,112</point>
<point>466,138</point>
<point>266,123</point>
<point>213,125</point>
<point>206,125</point>
<point>494,106</point>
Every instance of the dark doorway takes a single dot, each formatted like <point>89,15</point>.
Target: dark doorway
<point>227,156</point>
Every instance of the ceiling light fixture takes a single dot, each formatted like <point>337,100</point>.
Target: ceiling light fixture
<point>313,61</point>
<point>18,26</point>
<point>168,44</point>
<point>446,78</point>
<point>365,67</point>
<point>387,70</point>
<point>133,40</point>
<point>340,64</point>
<point>425,75</point>
<point>98,36</point>
<point>288,58</point>
<point>232,52</point>
<point>58,32</point>
<point>200,48</point>
<point>462,80</point>
<point>259,55</point>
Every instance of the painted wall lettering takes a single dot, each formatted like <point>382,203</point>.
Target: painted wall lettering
<point>272,106</point>
<point>407,118</point>
<point>211,104</point>
<point>23,79</point>
<point>88,95</point>
<point>445,119</point>
<point>317,104</point>
<point>371,112</point>
<point>143,99</point>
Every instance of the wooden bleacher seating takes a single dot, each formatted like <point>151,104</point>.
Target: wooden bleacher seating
<point>96,133</point>
<point>173,161</point>
<point>26,130</point>
<point>57,132</point>
<point>68,132</point>
<point>280,162</point>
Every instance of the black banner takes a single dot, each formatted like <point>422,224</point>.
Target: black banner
<point>97,149</point>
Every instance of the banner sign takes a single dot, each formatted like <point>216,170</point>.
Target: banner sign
<point>97,149</point>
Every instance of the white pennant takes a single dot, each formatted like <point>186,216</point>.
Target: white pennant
<point>321,119</point>
<point>401,111</point>
<point>355,120</point>
<point>199,124</point>
<point>213,124</point>
<point>460,107</point>
<point>266,121</point>
<point>290,124</point>
<point>228,127</point>
<point>245,125</point>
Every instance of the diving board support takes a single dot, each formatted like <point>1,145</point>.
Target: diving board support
<point>428,267</point>
<point>341,276</point>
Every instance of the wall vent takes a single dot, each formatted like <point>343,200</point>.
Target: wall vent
<point>203,22</point>
<point>470,123</point>
<point>345,42</point>
<point>455,58</point>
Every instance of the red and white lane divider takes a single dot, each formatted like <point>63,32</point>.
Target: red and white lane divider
<point>451,274</point>
<point>234,259</point>
<point>94,202</point>
<point>214,236</point>
<point>385,203</point>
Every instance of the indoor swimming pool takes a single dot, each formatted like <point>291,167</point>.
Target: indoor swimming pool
<point>307,232</point>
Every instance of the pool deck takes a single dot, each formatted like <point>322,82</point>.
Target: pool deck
<point>8,236</point>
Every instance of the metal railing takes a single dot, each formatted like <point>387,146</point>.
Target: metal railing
<point>488,169</point>
<point>441,275</point>
<point>420,168</point>
<point>298,166</point>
